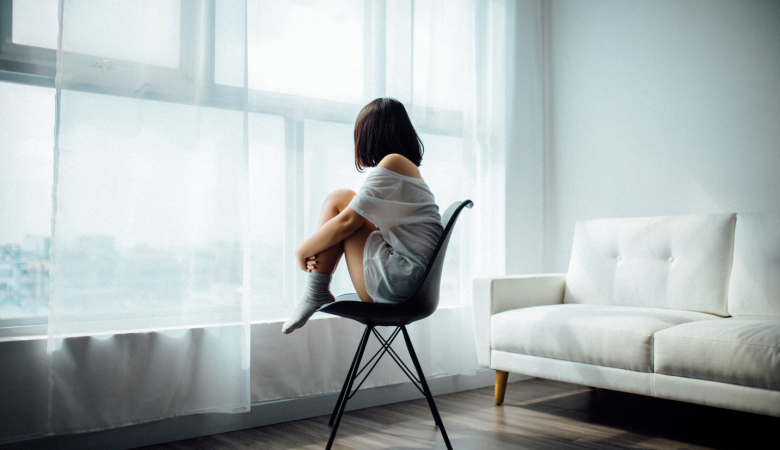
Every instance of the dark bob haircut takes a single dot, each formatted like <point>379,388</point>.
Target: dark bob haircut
<point>382,128</point>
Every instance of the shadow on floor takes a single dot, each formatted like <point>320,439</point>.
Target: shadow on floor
<point>641,419</point>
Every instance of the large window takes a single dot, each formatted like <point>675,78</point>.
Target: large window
<point>311,67</point>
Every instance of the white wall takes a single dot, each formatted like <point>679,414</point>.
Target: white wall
<point>524,180</point>
<point>660,108</point>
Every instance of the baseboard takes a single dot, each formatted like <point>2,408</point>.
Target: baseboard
<point>267,413</point>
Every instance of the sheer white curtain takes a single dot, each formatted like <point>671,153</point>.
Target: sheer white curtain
<point>312,66</point>
<point>196,142</point>
<point>149,311</point>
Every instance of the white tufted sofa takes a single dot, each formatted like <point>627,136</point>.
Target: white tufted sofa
<point>685,308</point>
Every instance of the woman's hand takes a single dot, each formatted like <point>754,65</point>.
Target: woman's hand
<point>311,263</point>
<point>306,263</point>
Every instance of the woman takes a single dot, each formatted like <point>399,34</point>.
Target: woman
<point>387,231</point>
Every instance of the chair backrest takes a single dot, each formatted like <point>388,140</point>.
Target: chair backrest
<point>425,299</point>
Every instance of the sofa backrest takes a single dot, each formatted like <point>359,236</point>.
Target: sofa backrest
<point>755,275</point>
<point>676,262</point>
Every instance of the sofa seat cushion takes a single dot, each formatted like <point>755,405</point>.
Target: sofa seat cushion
<point>736,350</point>
<point>605,335</point>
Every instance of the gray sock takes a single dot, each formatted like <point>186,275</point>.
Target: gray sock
<point>317,294</point>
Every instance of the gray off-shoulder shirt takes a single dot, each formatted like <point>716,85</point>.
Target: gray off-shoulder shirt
<point>405,211</point>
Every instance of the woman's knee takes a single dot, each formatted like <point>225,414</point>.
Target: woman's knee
<point>340,198</point>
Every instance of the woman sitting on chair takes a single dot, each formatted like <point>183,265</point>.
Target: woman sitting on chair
<point>387,231</point>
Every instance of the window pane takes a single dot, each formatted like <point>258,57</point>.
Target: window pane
<point>229,43</point>
<point>142,31</point>
<point>26,168</point>
<point>149,204</point>
<point>267,210</point>
<point>311,49</point>
<point>35,23</point>
<point>398,52</point>
<point>443,54</point>
<point>164,166</point>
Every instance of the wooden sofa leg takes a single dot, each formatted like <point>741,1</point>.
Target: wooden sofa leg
<point>501,377</point>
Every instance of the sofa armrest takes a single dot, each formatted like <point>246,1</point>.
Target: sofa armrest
<point>495,295</point>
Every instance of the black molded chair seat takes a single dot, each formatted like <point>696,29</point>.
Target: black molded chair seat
<point>374,314</point>
<point>421,304</point>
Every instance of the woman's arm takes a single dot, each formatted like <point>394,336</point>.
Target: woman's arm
<point>331,233</point>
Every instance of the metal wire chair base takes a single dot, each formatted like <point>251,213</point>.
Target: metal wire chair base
<point>419,381</point>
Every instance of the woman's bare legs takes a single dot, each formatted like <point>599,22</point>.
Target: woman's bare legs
<point>353,251</point>
<point>324,264</point>
<point>335,202</point>
<point>352,247</point>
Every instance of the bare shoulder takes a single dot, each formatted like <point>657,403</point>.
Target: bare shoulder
<point>400,164</point>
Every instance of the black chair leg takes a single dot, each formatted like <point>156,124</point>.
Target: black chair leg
<point>350,379</point>
<point>426,390</point>
<point>346,381</point>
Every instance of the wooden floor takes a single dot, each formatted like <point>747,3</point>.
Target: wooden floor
<point>536,414</point>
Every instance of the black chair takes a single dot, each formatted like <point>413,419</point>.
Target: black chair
<point>418,306</point>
